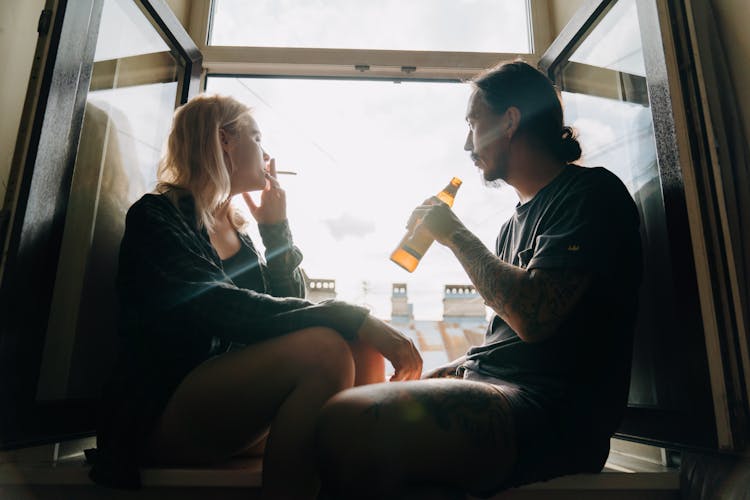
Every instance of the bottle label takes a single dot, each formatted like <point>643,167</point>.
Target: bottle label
<point>411,251</point>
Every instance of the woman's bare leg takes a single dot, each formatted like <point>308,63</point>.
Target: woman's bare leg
<point>369,364</point>
<point>369,367</point>
<point>226,404</point>
<point>393,440</point>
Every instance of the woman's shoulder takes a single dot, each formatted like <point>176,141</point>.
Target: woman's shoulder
<point>153,208</point>
<point>149,203</point>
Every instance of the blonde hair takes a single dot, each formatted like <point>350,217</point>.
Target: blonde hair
<point>194,159</point>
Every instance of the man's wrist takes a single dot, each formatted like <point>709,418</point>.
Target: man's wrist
<point>457,238</point>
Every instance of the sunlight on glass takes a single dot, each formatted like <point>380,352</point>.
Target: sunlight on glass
<point>615,43</point>
<point>618,135</point>
<point>128,32</point>
<point>442,25</point>
<point>366,154</point>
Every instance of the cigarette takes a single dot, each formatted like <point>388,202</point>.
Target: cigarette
<point>286,172</point>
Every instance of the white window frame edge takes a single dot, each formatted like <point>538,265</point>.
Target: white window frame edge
<point>358,63</point>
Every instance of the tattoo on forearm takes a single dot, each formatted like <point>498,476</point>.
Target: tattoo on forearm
<point>537,301</point>
<point>496,281</point>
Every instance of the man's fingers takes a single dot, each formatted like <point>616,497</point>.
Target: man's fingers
<point>417,215</point>
<point>272,167</point>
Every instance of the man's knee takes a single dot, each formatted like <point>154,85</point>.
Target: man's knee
<point>343,431</point>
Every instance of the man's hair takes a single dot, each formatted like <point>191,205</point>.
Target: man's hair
<point>194,159</point>
<point>521,85</point>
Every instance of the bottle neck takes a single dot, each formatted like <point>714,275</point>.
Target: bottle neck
<point>448,194</point>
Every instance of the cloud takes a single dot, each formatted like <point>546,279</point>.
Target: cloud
<point>346,225</point>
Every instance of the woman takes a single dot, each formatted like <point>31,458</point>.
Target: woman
<point>218,345</point>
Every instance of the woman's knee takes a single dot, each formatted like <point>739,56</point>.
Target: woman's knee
<point>322,353</point>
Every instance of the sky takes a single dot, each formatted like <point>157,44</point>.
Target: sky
<point>366,154</point>
<point>456,25</point>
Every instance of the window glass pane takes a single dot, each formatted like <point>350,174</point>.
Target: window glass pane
<point>128,113</point>
<point>124,34</point>
<point>366,153</point>
<point>615,43</point>
<point>440,25</point>
<point>605,94</point>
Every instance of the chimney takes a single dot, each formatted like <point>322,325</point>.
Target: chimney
<point>319,289</point>
<point>401,310</point>
<point>461,302</point>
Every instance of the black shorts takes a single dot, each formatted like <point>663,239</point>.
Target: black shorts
<point>552,429</point>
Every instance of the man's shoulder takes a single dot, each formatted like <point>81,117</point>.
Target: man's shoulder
<point>597,183</point>
<point>595,177</point>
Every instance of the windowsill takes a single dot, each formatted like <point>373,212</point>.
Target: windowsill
<point>622,472</point>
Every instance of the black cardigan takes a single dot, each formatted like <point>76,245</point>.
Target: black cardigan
<point>179,308</point>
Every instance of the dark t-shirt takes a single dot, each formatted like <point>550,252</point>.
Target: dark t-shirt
<point>584,219</point>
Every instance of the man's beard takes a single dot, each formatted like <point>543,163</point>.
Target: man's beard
<point>494,184</point>
<point>494,178</point>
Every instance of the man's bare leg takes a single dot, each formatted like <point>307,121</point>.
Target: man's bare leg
<point>391,440</point>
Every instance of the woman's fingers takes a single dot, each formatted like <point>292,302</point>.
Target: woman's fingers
<point>250,203</point>
<point>273,181</point>
<point>408,366</point>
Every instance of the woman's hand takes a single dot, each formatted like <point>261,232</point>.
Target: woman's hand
<point>394,346</point>
<point>445,371</point>
<point>272,208</point>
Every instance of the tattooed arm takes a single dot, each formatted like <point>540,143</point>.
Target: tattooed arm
<point>533,303</point>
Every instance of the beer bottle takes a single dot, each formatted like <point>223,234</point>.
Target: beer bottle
<point>414,245</point>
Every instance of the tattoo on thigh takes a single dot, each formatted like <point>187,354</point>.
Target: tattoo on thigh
<point>478,412</point>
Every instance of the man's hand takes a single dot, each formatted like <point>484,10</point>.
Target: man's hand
<point>272,208</point>
<point>436,218</point>
<point>394,346</point>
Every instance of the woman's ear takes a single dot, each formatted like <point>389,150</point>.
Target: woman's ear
<point>224,140</point>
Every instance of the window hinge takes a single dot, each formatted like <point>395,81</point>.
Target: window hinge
<point>362,67</point>
<point>408,69</point>
<point>45,19</point>
<point>4,223</point>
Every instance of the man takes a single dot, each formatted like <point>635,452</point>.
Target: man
<point>544,393</point>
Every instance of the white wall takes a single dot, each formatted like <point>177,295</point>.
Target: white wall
<point>18,36</point>
<point>560,12</point>
<point>181,9</point>
<point>733,17</point>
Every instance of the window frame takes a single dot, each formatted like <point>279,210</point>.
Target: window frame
<point>36,201</point>
<point>671,74</point>
<point>356,63</point>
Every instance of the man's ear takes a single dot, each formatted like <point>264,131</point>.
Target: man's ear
<point>512,120</point>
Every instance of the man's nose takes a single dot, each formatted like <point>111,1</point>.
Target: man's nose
<point>469,144</point>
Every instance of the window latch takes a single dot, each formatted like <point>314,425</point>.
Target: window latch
<point>45,19</point>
